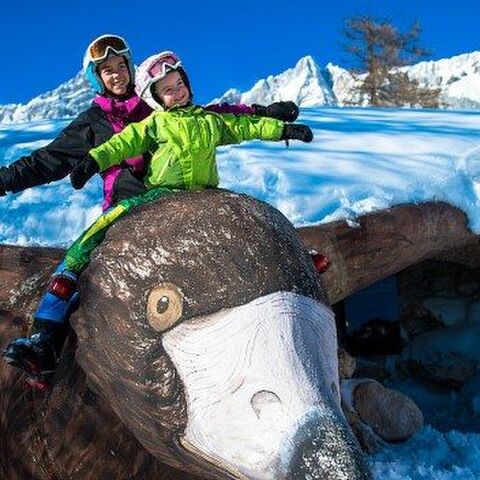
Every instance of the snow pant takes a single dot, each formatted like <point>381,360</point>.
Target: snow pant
<point>77,258</point>
<point>62,296</point>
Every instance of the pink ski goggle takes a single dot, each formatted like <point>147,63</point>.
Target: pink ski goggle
<point>166,62</point>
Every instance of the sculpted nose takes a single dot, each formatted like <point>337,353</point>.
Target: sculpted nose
<point>266,404</point>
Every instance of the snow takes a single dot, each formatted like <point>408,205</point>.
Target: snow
<point>431,455</point>
<point>360,160</point>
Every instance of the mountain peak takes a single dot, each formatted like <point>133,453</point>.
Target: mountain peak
<point>67,100</point>
<point>306,84</point>
<point>306,62</point>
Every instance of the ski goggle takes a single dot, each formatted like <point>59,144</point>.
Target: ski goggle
<point>163,64</point>
<point>101,47</point>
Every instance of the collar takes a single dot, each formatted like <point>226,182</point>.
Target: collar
<point>117,106</point>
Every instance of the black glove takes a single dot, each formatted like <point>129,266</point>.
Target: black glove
<point>285,111</point>
<point>296,131</point>
<point>83,172</point>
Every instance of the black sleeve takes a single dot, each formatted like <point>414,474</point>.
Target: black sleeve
<point>53,161</point>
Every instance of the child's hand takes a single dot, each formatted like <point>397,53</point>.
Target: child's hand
<point>285,111</point>
<point>83,172</point>
<point>296,131</point>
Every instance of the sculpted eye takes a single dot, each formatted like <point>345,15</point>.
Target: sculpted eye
<point>164,306</point>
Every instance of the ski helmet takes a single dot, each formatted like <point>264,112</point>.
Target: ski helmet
<point>98,51</point>
<point>155,68</point>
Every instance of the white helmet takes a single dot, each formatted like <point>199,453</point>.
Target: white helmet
<point>155,68</point>
<point>98,51</point>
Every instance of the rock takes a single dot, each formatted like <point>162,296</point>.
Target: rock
<point>438,279</point>
<point>448,310</point>
<point>468,284</point>
<point>371,442</point>
<point>374,367</point>
<point>415,320</point>
<point>448,357</point>
<point>390,414</point>
<point>450,369</point>
<point>473,314</point>
<point>470,395</point>
<point>346,364</point>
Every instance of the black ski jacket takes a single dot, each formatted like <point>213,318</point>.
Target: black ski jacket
<point>57,159</point>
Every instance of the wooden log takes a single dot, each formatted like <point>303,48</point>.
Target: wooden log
<point>385,242</point>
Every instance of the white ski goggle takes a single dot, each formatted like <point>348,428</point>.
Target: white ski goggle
<point>102,47</point>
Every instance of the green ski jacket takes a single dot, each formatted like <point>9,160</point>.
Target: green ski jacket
<point>182,142</point>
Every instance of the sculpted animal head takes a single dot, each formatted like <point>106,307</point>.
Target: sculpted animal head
<point>205,326</point>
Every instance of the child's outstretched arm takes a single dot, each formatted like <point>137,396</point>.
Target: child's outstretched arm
<point>133,140</point>
<point>245,127</point>
<point>285,111</point>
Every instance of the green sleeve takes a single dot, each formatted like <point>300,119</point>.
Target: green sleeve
<point>133,140</point>
<point>238,128</point>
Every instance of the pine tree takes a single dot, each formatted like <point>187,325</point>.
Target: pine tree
<point>380,50</point>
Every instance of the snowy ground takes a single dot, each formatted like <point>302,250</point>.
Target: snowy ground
<point>360,160</point>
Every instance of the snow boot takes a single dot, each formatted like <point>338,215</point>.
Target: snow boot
<point>37,354</point>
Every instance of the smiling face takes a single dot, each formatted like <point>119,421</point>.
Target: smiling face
<point>172,90</point>
<point>115,75</point>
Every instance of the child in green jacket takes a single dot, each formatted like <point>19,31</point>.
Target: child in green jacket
<point>181,138</point>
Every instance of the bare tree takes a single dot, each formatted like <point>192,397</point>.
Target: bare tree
<point>379,51</point>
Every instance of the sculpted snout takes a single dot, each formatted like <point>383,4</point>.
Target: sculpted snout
<point>255,375</point>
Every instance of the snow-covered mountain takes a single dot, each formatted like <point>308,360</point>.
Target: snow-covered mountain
<point>309,85</point>
<point>67,100</point>
<point>458,77</point>
<point>306,83</point>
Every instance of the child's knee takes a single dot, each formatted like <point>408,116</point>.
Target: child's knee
<point>60,299</point>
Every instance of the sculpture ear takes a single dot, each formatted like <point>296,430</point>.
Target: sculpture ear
<point>164,306</point>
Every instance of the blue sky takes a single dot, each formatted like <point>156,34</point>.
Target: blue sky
<point>223,44</point>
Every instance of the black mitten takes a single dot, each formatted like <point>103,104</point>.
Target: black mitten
<point>83,172</point>
<point>296,131</point>
<point>285,111</point>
